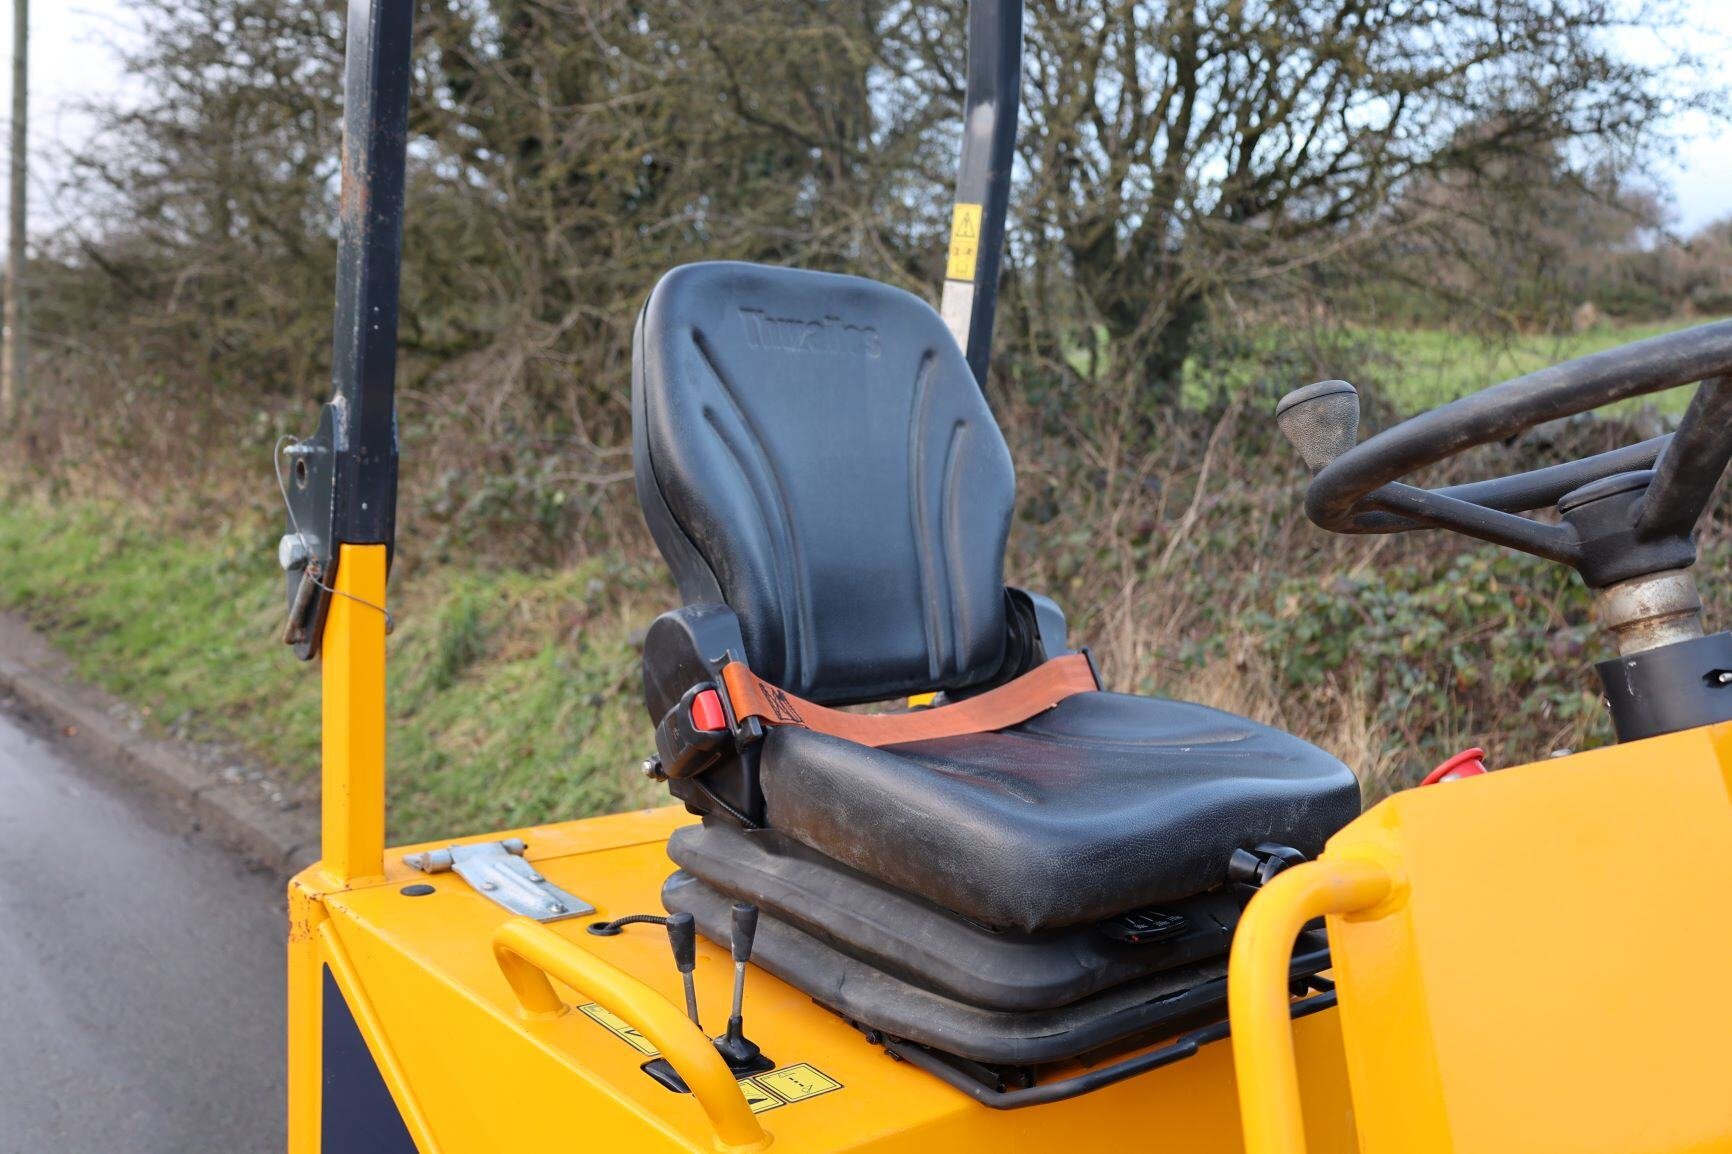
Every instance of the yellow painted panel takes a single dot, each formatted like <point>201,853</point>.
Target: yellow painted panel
<point>486,1079</point>
<point>1555,979</point>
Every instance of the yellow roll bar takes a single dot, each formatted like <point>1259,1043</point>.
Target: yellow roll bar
<point>528,952</point>
<point>352,791</point>
<point>1258,1000</point>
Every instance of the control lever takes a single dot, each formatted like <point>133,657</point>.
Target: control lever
<point>740,1052</point>
<point>1321,420</point>
<point>683,937</point>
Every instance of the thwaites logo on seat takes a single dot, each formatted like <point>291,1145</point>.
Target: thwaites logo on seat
<point>831,336</point>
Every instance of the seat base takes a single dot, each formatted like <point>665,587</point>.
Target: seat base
<point>883,1004</point>
<point>940,951</point>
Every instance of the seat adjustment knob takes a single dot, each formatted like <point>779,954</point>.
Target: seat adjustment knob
<point>1252,868</point>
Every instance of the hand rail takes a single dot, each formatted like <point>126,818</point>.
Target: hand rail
<point>528,953</point>
<point>1257,993</point>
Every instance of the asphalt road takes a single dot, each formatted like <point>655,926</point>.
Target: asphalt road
<point>141,973</point>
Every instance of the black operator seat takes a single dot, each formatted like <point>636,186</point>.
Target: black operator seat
<point>813,453</point>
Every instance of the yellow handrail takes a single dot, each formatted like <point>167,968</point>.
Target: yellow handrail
<point>528,952</point>
<point>1258,1001</point>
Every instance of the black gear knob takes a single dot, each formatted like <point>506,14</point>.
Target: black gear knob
<point>683,937</point>
<point>1321,420</point>
<point>745,927</point>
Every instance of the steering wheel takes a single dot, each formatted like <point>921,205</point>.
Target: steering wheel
<point>1625,513</point>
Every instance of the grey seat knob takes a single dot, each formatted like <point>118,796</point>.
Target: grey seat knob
<point>1321,420</point>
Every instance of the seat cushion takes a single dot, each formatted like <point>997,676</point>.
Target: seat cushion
<point>1104,804</point>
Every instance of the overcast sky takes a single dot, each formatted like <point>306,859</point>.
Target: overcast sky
<point>73,59</point>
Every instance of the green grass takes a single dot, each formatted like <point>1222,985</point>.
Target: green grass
<point>1416,369</point>
<point>1425,368</point>
<point>513,695</point>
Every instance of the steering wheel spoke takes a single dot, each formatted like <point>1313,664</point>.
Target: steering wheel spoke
<point>1436,509</point>
<point>1687,473</point>
<point>1541,488</point>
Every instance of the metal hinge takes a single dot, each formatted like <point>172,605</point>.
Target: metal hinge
<point>497,871</point>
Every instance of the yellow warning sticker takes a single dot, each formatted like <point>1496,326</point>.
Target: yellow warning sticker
<point>758,1098</point>
<point>964,242</point>
<point>797,1083</point>
<point>617,1026</point>
<point>763,1092</point>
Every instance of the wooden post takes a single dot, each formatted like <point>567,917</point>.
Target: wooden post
<point>17,350</point>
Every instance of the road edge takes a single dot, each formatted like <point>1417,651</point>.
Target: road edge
<point>246,812</point>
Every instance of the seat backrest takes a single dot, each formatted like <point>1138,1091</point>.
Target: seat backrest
<point>812,450</point>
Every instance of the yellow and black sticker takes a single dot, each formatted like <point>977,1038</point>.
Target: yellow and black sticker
<point>797,1083</point>
<point>758,1098</point>
<point>617,1026</point>
<point>964,242</point>
<point>763,1092</point>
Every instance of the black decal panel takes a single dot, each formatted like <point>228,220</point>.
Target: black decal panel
<point>357,1115</point>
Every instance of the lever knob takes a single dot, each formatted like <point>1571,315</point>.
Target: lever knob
<point>745,928</point>
<point>683,937</point>
<point>741,1053</point>
<point>1321,420</point>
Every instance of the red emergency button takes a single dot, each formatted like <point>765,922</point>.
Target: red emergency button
<point>1467,763</point>
<point>707,714</point>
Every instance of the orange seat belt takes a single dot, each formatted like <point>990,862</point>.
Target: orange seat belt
<point>1009,704</point>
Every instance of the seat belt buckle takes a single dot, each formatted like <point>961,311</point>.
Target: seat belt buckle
<point>696,733</point>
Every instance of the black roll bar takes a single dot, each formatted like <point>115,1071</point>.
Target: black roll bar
<point>990,108</point>
<point>341,483</point>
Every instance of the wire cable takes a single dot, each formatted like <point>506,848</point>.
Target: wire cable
<point>311,572</point>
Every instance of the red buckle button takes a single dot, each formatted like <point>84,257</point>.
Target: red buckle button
<point>707,713</point>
